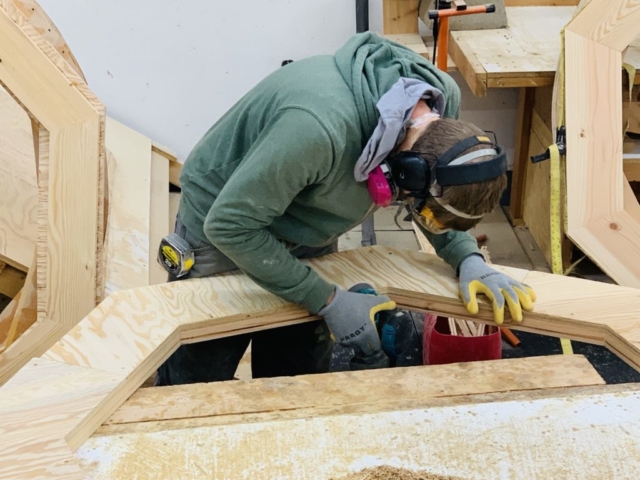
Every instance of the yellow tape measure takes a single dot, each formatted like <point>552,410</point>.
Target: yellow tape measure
<point>556,219</point>
<point>555,214</point>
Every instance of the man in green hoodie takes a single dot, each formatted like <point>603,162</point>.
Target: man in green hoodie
<point>273,181</point>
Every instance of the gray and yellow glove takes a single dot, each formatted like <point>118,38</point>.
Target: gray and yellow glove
<point>350,317</point>
<point>478,277</point>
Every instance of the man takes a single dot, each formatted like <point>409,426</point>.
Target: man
<point>287,171</point>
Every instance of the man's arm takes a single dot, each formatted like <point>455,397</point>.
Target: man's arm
<point>291,153</point>
<point>453,247</point>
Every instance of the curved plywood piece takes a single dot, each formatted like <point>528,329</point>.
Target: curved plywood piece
<point>69,127</point>
<point>603,215</point>
<point>38,18</point>
<point>53,404</point>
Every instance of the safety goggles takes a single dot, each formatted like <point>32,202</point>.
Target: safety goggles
<point>425,218</point>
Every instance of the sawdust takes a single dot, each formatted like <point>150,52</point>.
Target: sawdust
<point>391,473</point>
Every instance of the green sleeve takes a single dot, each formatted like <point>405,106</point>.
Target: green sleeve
<point>452,246</point>
<point>292,152</point>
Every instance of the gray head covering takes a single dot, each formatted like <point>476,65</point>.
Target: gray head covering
<point>395,107</point>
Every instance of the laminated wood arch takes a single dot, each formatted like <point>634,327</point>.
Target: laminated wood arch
<point>603,213</point>
<point>69,131</point>
<point>53,404</point>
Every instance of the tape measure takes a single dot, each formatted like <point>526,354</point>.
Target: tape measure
<point>176,255</point>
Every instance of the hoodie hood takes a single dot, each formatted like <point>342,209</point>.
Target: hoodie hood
<point>371,65</point>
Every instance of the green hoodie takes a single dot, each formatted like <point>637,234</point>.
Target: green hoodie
<point>279,164</point>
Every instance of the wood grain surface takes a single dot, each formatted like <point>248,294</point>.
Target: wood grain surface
<point>590,434</point>
<point>526,53</point>
<point>18,184</point>
<point>71,151</point>
<point>129,167</point>
<point>132,332</point>
<point>402,385</point>
<point>608,230</point>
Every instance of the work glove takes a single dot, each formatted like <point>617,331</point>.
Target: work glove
<point>478,277</point>
<point>350,317</point>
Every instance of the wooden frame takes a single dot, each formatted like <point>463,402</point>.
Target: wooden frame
<point>52,405</point>
<point>160,432</point>
<point>603,213</point>
<point>68,122</point>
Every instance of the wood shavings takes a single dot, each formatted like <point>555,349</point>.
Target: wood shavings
<point>391,473</point>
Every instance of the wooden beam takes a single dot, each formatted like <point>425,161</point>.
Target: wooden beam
<point>608,230</point>
<point>70,276</point>
<point>318,393</point>
<point>399,16</point>
<point>11,280</point>
<point>521,157</point>
<point>541,3</point>
<point>409,40</point>
<point>159,225</point>
<point>631,168</point>
<point>174,206</point>
<point>175,167</point>
<point>26,309</point>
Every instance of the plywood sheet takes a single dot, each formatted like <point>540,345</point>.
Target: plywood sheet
<point>130,207</point>
<point>18,184</point>
<point>593,435</point>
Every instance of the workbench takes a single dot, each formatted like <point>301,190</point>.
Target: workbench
<point>525,56</point>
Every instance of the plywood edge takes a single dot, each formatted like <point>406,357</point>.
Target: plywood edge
<point>159,225</point>
<point>41,22</point>
<point>365,408</point>
<point>11,281</point>
<point>85,104</point>
<point>468,64</point>
<point>354,388</point>
<point>412,41</point>
<point>13,263</point>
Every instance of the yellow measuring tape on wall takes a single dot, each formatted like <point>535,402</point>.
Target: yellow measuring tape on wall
<point>557,178</point>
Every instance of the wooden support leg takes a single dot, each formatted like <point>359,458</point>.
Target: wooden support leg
<point>521,158</point>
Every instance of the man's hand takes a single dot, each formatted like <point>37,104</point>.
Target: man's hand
<point>478,277</point>
<point>350,317</point>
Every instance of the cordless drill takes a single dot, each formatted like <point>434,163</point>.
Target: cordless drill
<point>401,341</point>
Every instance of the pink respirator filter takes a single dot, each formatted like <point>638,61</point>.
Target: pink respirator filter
<point>378,185</point>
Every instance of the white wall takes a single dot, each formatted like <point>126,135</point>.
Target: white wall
<point>171,68</point>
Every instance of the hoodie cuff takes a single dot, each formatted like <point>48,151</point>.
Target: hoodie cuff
<point>317,296</point>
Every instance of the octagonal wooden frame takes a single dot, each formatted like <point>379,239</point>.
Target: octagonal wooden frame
<point>69,130</point>
<point>53,404</point>
<point>603,213</point>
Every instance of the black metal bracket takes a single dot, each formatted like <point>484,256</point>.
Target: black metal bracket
<point>561,139</point>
